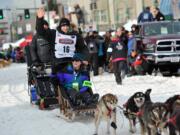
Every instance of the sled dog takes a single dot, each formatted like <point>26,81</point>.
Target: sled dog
<point>132,106</point>
<point>106,108</point>
<point>173,104</point>
<point>153,118</point>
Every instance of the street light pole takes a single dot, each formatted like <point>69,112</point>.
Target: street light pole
<point>127,10</point>
<point>109,19</point>
<point>47,11</point>
<point>155,3</point>
<point>143,4</point>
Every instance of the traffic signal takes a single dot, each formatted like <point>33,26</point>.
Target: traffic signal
<point>26,14</point>
<point>1,14</point>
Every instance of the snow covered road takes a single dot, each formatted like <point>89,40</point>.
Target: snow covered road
<point>19,117</point>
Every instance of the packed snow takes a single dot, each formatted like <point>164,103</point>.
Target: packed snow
<point>19,117</point>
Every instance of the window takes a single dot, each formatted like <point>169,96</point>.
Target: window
<point>100,15</point>
<point>120,15</point>
<point>96,16</point>
<point>162,28</point>
<point>103,15</point>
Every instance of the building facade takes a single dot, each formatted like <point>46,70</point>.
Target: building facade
<point>109,14</point>
<point>14,25</point>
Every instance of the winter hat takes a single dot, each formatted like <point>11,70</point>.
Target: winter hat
<point>45,23</point>
<point>78,57</point>
<point>64,21</point>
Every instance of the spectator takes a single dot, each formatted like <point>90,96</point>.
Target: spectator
<point>119,55</point>
<point>135,29</point>
<point>158,15</point>
<point>107,38</point>
<point>145,16</point>
<point>9,51</point>
<point>93,50</point>
<point>131,53</point>
<point>79,14</point>
<point>19,55</point>
<point>13,55</point>
<point>101,51</point>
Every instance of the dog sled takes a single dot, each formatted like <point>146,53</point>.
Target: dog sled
<point>68,111</point>
<point>40,87</point>
<point>68,108</point>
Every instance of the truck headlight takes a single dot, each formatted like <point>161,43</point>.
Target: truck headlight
<point>149,47</point>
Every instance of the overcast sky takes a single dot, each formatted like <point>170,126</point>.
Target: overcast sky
<point>6,3</point>
<point>19,3</point>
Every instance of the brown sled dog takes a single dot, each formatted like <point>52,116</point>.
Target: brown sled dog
<point>106,108</point>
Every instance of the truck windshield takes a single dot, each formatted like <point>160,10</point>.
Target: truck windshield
<point>163,28</point>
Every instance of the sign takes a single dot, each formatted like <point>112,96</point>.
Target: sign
<point>28,27</point>
<point>175,59</point>
<point>19,30</point>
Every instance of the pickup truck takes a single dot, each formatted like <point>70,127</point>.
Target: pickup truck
<point>159,42</point>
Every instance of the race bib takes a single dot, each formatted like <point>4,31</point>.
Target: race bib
<point>75,86</point>
<point>65,45</point>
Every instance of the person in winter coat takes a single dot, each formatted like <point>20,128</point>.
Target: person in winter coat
<point>101,51</point>
<point>158,15</point>
<point>76,82</point>
<point>107,41</point>
<point>132,51</point>
<point>119,56</point>
<point>145,16</point>
<point>65,44</point>
<point>40,48</point>
<point>93,51</point>
<point>140,65</point>
<point>135,29</point>
<point>19,55</point>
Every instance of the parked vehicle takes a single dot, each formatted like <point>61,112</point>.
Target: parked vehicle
<point>159,42</point>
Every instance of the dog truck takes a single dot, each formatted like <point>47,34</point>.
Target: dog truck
<point>159,42</point>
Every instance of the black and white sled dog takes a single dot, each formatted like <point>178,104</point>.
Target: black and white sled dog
<point>173,104</point>
<point>133,105</point>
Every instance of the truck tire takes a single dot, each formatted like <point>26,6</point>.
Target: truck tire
<point>172,70</point>
<point>164,71</point>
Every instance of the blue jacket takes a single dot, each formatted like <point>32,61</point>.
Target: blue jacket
<point>70,76</point>
<point>131,45</point>
<point>145,16</point>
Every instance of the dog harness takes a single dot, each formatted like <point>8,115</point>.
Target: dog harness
<point>139,113</point>
<point>173,120</point>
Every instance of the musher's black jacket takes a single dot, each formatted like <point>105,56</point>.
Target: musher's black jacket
<point>40,50</point>
<point>50,35</point>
